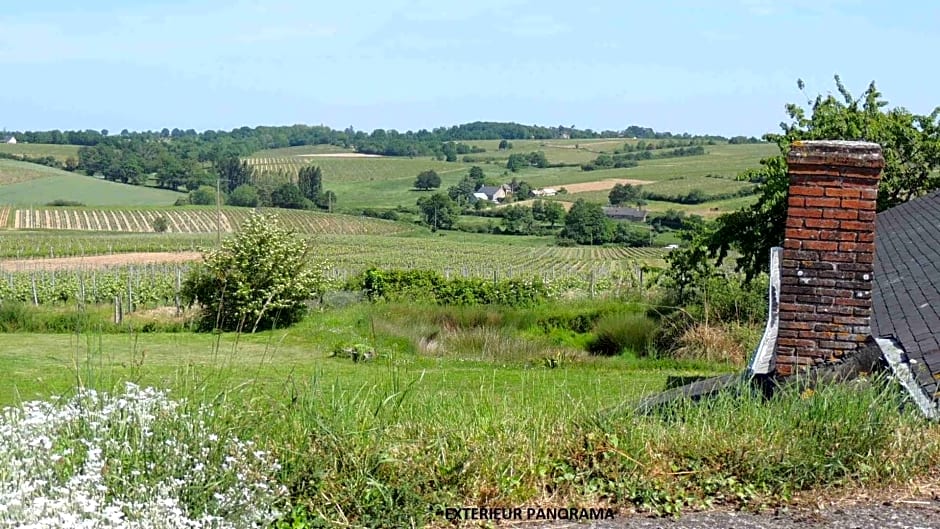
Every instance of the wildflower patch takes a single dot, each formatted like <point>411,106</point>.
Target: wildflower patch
<point>138,459</point>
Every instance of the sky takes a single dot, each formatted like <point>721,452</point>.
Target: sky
<point>699,66</point>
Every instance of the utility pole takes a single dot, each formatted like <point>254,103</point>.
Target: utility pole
<point>218,211</point>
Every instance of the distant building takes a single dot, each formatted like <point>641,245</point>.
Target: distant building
<point>622,213</point>
<point>545,192</point>
<point>493,193</point>
<point>9,139</point>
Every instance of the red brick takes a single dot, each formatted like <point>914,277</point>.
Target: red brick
<point>826,246</point>
<point>866,215</point>
<point>803,234</point>
<point>852,302</point>
<point>866,205</point>
<point>856,247</point>
<point>794,222</point>
<point>792,244</point>
<point>852,225</point>
<point>843,193</point>
<point>869,194</point>
<point>795,342</point>
<point>806,191</point>
<point>865,257</point>
<point>866,237</point>
<point>851,320</point>
<point>841,214</point>
<point>796,307</point>
<point>797,202</point>
<point>837,257</point>
<point>813,213</point>
<point>821,223</point>
<point>823,203</point>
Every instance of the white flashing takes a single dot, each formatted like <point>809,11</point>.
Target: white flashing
<point>762,363</point>
<point>902,371</point>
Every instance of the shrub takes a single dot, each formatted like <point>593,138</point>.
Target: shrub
<point>616,333</point>
<point>63,202</point>
<point>244,195</point>
<point>260,278</point>
<point>160,224</point>
<point>203,196</point>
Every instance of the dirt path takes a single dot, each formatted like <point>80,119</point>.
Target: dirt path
<point>340,155</point>
<point>600,185</point>
<point>98,261</point>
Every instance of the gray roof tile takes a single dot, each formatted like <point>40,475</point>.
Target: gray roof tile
<point>906,293</point>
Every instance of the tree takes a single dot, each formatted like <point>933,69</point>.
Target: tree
<point>911,146</point>
<point>439,211</point>
<point>476,175</point>
<point>518,220</point>
<point>463,191</point>
<point>202,196</point>
<point>587,224</point>
<point>504,145</point>
<point>623,194</point>
<point>427,180</point>
<point>326,200</point>
<point>245,196</point>
<point>259,279</point>
<point>538,159</point>
<point>310,182</point>
<point>233,172</point>
<point>516,162</point>
<point>288,196</point>
<point>553,213</point>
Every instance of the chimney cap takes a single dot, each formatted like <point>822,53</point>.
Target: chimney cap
<point>860,154</point>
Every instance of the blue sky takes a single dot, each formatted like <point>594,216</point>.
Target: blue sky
<point>700,66</point>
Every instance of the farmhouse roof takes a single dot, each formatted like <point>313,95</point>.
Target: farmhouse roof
<point>906,290</point>
<point>488,190</point>
<point>624,212</point>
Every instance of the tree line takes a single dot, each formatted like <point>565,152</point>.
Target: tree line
<point>246,140</point>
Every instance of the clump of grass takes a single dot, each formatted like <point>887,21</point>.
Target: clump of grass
<point>726,343</point>
<point>617,333</point>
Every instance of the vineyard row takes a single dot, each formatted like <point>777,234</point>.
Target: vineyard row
<point>186,220</point>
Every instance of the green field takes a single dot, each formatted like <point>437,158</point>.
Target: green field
<point>59,152</point>
<point>38,184</point>
<point>386,182</point>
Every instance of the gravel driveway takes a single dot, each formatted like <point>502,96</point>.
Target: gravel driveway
<point>897,515</point>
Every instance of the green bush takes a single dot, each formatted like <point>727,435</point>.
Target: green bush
<point>260,278</point>
<point>430,286</point>
<point>244,195</point>
<point>616,333</point>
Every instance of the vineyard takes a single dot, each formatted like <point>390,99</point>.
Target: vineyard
<point>158,285</point>
<point>188,220</point>
<point>349,255</point>
<point>355,169</point>
<point>145,286</point>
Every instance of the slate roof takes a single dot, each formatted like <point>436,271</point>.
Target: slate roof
<point>624,212</point>
<point>906,292</point>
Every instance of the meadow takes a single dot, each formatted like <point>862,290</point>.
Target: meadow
<point>27,184</point>
<point>387,182</point>
<point>38,150</point>
<point>467,406</point>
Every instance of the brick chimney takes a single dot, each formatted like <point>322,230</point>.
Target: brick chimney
<point>826,270</point>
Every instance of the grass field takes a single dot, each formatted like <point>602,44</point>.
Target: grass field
<point>59,152</point>
<point>37,185</point>
<point>386,182</point>
<point>482,418</point>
